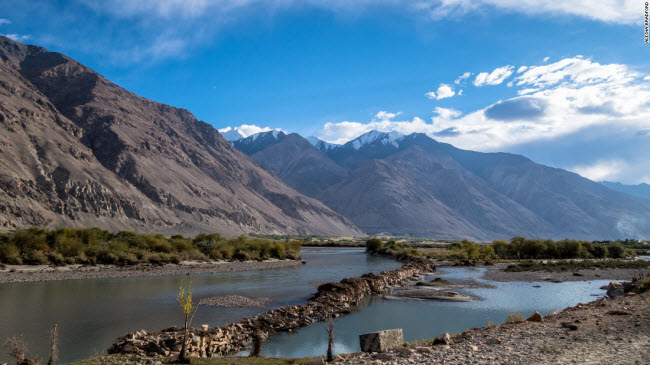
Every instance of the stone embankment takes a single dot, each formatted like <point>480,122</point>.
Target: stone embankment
<point>331,300</point>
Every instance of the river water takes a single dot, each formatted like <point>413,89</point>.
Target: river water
<point>92,313</point>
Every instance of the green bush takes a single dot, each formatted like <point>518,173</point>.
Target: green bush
<point>93,245</point>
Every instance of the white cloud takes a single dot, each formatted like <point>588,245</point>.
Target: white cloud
<point>246,130</point>
<point>546,59</point>
<point>556,100</point>
<point>462,78</point>
<point>602,170</point>
<point>609,11</point>
<point>4,21</point>
<point>522,69</point>
<point>495,77</point>
<point>17,37</point>
<point>444,91</point>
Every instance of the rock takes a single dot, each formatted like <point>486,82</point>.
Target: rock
<point>536,317</point>
<point>619,313</point>
<point>205,327</point>
<point>318,361</point>
<point>496,341</point>
<point>473,348</point>
<point>444,339</point>
<point>570,326</point>
<point>423,350</point>
<point>153,347</point>
<point>382,340</point>
<point>615,290</point>
<point>383,357</point>
<point>405,351</point>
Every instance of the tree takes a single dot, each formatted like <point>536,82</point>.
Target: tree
<point>330,340</point>
<point>189,309</point>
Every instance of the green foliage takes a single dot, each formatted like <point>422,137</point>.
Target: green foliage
<point>390,248</point>
<point>95,246</point>
<point>515,317</point>
<point>517,249</point>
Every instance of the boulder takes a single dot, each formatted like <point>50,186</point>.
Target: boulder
<point>615,290</point>
<point>382,340</point>
<point>444,339</point>
<point>424,350</point>
<point>536,317</point>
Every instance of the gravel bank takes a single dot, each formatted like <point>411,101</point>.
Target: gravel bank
<point>234,301</point>
<point>614,331</point>
<point>497,273</point>
<point>16,274</point>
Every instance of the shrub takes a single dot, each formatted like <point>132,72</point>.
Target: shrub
<point>35,258</point>
<point>10,254</point>
<point>515,317</point>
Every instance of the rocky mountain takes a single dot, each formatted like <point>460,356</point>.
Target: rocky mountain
<point>414,185</point>
<point>293,159</point>
<point>641,190</point>
<point>321,145</point>
<point>78,150</point>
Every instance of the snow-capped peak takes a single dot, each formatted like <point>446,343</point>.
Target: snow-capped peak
<point>232,134</point>
<point>276,133</point>
<point>392,138</point>
<point>320,144</point>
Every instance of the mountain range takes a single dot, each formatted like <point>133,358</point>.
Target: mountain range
<point>640,190</point>
<point>78,150</point>
<point>414,185</point>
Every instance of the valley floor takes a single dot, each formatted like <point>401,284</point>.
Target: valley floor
<point>28,273</point>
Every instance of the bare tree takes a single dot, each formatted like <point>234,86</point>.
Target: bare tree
<point>189,308</point>
<point>18,350</point>
<point>54,350</point>
<point>330,340</point>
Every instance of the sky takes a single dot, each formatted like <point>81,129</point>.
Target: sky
<point>566,84</point>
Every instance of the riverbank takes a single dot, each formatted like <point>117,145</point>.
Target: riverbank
<point>497,272</point>
<point>606,331</point>
<point>30,273</point>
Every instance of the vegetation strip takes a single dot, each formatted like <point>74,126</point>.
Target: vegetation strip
<point>331,300</point>
<point>92,246</point>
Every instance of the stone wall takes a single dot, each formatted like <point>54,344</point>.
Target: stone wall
<point>331,300</point>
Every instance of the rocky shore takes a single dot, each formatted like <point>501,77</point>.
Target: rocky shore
<point>497,273</point>
<point>26,273</point>
<point>331,300</point>
<point>606,331</point>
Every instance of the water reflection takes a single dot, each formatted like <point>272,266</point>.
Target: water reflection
<point>92,313</point>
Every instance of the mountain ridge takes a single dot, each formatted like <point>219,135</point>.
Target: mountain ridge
<point>79,150</point>
<point>455,193</point>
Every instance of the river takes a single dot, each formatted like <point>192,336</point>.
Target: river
<point>91,314</point>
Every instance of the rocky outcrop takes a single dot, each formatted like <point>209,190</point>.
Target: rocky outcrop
<point>330,301</point>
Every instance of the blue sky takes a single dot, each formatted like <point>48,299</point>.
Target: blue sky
<point>337,68</point>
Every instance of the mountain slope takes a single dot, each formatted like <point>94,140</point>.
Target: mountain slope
<point>414,185</point>
<point>79,150</point>
<point>293,159</point>
<point>640,191</point>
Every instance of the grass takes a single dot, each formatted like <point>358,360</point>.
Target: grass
<point>63,246</point>
<point>573,265</point>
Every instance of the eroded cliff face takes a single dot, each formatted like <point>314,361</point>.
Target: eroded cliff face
<point>78,150</point>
